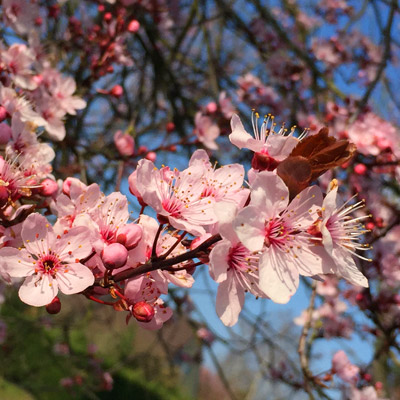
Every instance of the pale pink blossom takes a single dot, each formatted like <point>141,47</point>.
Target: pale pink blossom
<point>343,367</point>
<point>124,143</point>
<point>177,197</point>
<point>14,103</point>
<point>233,266</point>
<point>371,134</point>
<point>278,231</point>
<point>222,184</point>
<point>49,262</point>
<point>206,130</point>
<point>266,141</point>
<point>20,14</point>
<point>18,60</point>
<point>226,106</point>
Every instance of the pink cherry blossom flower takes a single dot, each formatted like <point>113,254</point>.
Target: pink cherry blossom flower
<point>222,184</point>
<point>17,60</point>
<point>14,103</point>
<point>226,106</point>
<point>343,367</point>
<point>49,262</point>
<point>278,231</point>
<point>61,88</point>
<point>233,266</point>
<point>269,146</point>
<point>340,237</point>
<point>124,143</point>
<point>206,130</point>
<point>177,197</point>
<point>20,14</point>
<point>366,393</point>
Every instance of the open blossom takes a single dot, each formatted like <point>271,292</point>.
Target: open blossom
<point>17,60</point>
<point>206,130</point>
<point>176,195</point>
<point>20,14</point>
<point>344,368</point>
<point>49,262</point>
<point>233,266</point>
<point>278,231</point>
<point>222,184</point>
<point>340,237</point>
<point>270,147</point>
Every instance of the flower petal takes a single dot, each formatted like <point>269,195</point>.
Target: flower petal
<point>279,278</point>
<point>74,278</point>
<point>38,290</point>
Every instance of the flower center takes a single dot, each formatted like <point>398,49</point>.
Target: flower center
<point>275,233</point>
<point>48,264</point>
<point>238,257</point>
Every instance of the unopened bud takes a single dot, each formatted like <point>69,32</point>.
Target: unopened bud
<point>170,127</point>
<point>3,113</point>
<point>212,107</point>
<point>143,311</point>
<point>129,235</point>
<point>133,26</point>
<point>49,187</point>
<point>360,169</point>
<point>107,17</point>
<point>114,255</point>
<point>151,155</point>
<point>54,307</point>
<point>117,91</point>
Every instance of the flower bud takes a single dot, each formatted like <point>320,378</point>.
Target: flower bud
<point>212,107</point>
<point>129,235</point>
<point>360,169</point>
<point>114,255</point>
<point>49,187</point>
<point>133,26</point>
<point>151,155</point>
<point>54,307</point>
<point>117,91</point>
<point>3,113</point>
<point>107,17</point>
<point>170,127</point>
<point>5,133</point>
<point>143,311</point>
<point>124,143</point>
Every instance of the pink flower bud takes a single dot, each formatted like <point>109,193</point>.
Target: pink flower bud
<point>143,311</point>
<point>212,107</point>
<point>117,91</point>
<point>151,155</point>
<point>5,133</point>
<point>124,143</point>
<point>360,169</point>
<point>3,113</point>
<point>170,127</point>
<point>129,235</point>
<point>54,307</point>
<point>107,17</point>
<point>101,8</point>
<point>114,255</point>
<point>49,187</point>
<point>133,26</point>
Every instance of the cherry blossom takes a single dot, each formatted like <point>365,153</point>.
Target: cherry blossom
<point>278,230</point>
<point>49,262</point>
<point>233,266</point>
<point>178,197</point>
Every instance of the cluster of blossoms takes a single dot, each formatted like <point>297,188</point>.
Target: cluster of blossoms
<point>258,239</point>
